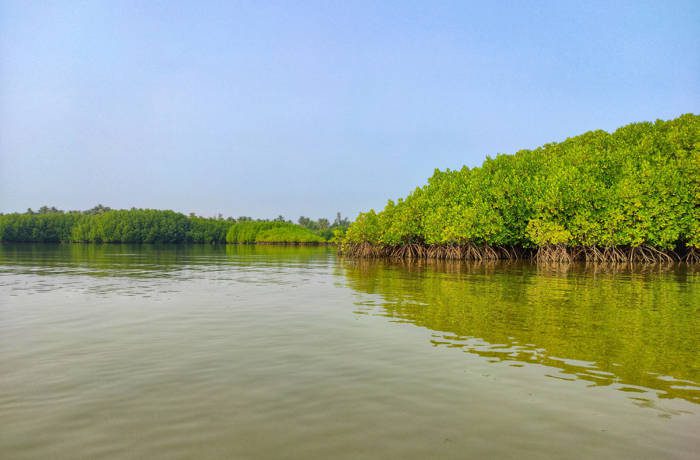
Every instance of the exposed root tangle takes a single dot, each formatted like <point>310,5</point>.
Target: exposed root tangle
<point>560,254</point>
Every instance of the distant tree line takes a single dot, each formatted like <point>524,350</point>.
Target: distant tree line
<point>102,224</point>
<point>325,228</point>
<point>276,231</point>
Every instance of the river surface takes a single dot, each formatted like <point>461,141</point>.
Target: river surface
<point>119,351</point>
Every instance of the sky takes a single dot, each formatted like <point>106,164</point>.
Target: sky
<point>312,108</point>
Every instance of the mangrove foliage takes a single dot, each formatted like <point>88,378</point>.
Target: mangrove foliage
<point>630,195</point>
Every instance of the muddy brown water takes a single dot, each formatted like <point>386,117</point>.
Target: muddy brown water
<point>118,351</point>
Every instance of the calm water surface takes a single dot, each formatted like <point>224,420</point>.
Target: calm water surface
<point>269,352</point>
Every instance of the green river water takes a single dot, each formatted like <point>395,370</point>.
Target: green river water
<point>118,351</point>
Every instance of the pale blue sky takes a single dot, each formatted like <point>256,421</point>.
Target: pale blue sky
<point>308,108</point>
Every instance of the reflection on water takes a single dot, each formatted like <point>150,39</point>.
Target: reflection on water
<point>145,269</point>
<point>119,351</point>
<point>633,330</point>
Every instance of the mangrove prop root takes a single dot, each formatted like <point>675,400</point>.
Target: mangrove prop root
<point>557,254</point>
<point>692,256</point>
<point>553,253</point>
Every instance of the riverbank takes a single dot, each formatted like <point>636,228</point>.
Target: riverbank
<point>546,254</point>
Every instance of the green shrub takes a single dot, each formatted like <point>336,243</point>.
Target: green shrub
<point>638,186</point>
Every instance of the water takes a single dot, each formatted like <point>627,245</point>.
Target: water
<point>269,352</point>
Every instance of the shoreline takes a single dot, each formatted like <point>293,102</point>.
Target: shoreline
<point>185,243</point>
<point>547,254</point>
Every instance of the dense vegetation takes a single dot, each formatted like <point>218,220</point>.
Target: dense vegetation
<point>105,225</point>
<point>633,195</point>
<point>270,232</point>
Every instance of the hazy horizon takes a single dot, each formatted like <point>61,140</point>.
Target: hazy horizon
<point>313,109</point>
